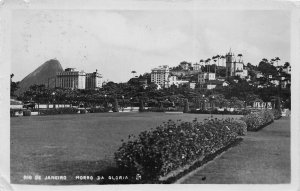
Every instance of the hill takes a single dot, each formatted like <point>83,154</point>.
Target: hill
<point>44,74</point>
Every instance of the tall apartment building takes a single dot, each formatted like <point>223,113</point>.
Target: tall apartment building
<point>71,78</point>
<point>93,80</point>
<point>204,77</point>
<point>160,75</point>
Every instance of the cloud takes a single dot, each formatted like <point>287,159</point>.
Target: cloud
<point>115,29</point>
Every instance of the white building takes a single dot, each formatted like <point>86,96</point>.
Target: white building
<point>196,67</point>
<point>214,84</point>
<point>71,78</point>
<point>235,67</point>
<point>204,77</point>
<point>93,80</point>
<point>192,85</point>
<point>242,74</point>
<point>174,81</point>
<point>160,75</point>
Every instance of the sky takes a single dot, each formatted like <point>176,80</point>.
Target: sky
<point>118,41</point>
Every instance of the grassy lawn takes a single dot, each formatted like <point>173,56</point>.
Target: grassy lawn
<point>263,157</point>
<point>76,145</point>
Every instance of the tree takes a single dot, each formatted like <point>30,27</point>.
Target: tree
<point>286,64</point>
<point>115,106</point>
<point>141,108</point>
<point>236,103</point>
<point>266,68</point>
<point>186,106</point>
<point>13,85</point>
<point>207,61</point>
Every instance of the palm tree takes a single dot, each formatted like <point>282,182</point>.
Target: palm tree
<point>218,58</point>
<point>240,56</point>
<point>277,59</point>
<point>201,61</point>
<point>208,62</point>
<point>133,72</point>
<point>215,60</point>
<point>272,61</point>
<point>223,58</point>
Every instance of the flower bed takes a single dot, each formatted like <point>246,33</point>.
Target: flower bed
<point>258,120</point>
<point>55,111</point>
<point>154,154</point>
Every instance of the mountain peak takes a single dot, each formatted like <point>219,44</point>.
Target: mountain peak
<point>44,74</point>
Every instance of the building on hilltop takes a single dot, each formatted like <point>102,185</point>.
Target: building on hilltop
<point>212,84</point>
<point>93,80</point>
<point>204,77</point>
<point>235,67</point>
<point>185,65</point>
<point>196,67</point>
<point>173,80</point>
<point>160,75</point>
<point>71,78</point>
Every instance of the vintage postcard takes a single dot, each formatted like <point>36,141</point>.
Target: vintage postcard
<point>139,94</point>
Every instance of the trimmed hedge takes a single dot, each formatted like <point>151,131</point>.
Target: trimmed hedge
<point>55,111</point>
<point>258,120</point>
<point>154,154</point>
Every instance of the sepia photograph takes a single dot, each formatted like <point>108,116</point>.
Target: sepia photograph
<point>150,92</point>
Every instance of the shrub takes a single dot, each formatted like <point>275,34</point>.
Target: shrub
<point>186,106</point>
<point>97,110</point>
<point>12,112</point>
<point>257,120</point>
<point>276,113</point>
<point>55,111</point>
<point>155,153</point>
<point>156,109</point>
<point>83,111</point>
<point>26,113</point>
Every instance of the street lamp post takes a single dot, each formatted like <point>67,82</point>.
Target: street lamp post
<point>203,102</point>
<point>53,99</point>
<point>106,105</point>
<point>123,103</point>
<point>211,106</point>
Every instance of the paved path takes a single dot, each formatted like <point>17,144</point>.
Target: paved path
<point>263,157</point>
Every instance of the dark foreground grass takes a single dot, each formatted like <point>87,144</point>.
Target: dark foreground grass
<point>77,145</point>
